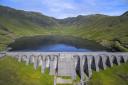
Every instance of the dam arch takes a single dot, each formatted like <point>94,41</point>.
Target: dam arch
<point>68,63</point>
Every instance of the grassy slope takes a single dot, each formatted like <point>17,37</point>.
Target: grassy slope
<point>103,30</point>
<point>19,23</point>
<point>15,73</point>
<point>118,75</point>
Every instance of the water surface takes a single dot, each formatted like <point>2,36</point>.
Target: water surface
<point>55,44</point>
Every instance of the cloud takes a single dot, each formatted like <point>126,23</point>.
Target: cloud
<point>17,0</point>
<point>60,8</point>
<point>58,5</point>
<point>69,8</point>
<point>90,2</point>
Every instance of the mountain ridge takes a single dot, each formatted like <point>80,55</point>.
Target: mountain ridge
<point>125,14</point>
<point>109,31</point>
<point>101,28</point>
<point>39,13</point>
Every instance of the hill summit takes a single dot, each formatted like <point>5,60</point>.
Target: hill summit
<point>125,14</point>
<point>101,28</point>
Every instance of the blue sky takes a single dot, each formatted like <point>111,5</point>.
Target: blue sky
<point>70,8</point>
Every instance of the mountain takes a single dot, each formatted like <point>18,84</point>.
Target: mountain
<point>125,14</point>
<point>109,31</point>
<point>32,17</point>
<point>16,23</point>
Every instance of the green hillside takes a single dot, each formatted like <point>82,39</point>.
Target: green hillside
<point>109,31</point>
<point>14,73</point>
<point>117,75</point>
<point>101,28</point>
<point>16,23</point>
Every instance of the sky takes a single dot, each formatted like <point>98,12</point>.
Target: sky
<point>70,8</point>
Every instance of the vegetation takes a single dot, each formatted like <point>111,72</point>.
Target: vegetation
<point>13,72</point>
<point>109,31</point>
<point>118,75</point>
<point>104,29</point>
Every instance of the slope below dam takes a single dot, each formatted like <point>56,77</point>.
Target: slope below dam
<point>55,44</point>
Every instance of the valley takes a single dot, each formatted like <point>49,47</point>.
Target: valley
<point>109,31</point>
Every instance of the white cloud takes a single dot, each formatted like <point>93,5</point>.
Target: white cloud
<point>62,4</point>
<point>16,0</point>
<point>90,2</point>
<point>69,8</point>
<point>60,8</point>
<point>59,4</point>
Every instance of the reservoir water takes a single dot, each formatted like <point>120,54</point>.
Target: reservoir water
<point>55,44</point>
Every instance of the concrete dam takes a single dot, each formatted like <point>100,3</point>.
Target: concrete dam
<point>71,64</point>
